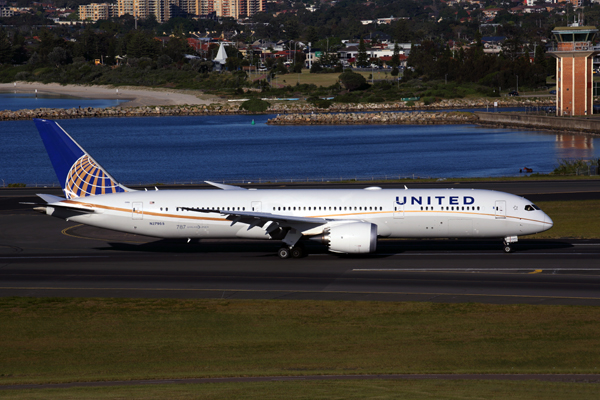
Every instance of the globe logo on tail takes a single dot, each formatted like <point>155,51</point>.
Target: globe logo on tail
<point>86,178</point>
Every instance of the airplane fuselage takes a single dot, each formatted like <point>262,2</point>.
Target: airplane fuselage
<point>398,213</point>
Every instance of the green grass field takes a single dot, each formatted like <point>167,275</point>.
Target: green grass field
<point>62,340</point>
<point>572,219</point>
<point>317,79</point>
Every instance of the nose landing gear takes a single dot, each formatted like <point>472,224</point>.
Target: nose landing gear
<point>507,243</point>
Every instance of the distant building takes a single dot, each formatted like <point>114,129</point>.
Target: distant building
<point>163,10</point>
<point>96,11</point>
<point>5,11</point>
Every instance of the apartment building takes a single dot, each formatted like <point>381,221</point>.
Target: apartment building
<point>96,11</point>
<point>236,8</point>
<point>163,10</point>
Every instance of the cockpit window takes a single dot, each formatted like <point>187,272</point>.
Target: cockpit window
<point>531,207</point>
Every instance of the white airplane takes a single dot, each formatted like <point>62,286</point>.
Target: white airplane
<point>346,220</point>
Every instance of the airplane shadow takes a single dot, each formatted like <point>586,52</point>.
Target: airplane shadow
<point>385,248</point>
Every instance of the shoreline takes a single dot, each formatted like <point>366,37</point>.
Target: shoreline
<point>135,96</point>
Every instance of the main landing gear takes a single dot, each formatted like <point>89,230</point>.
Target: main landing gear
<point>294,252</point>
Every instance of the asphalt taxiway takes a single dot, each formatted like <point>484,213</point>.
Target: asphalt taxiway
<point>45,256</point>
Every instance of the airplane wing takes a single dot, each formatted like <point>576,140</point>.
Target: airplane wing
<point>225,187</point>
<point>260,218</point>
<point>294,226</point>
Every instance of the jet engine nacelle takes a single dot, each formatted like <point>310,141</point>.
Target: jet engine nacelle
<point>354,238</point>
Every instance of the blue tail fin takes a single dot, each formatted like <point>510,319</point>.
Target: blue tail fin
<point>78,173</point>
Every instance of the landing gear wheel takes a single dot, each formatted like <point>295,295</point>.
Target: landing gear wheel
<point>284,252</point>
<point>298,252</point>
<point>507,248</point>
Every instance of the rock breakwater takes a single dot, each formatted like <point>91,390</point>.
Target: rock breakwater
<point>277,107</point>
<point>392,118</point>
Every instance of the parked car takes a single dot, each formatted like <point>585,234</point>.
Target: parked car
<point>513,93</point>
<point>552,91</point>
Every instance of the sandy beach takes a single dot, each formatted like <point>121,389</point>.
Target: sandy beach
<point>137,97</point>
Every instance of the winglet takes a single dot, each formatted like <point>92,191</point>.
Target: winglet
<point>78,173</point>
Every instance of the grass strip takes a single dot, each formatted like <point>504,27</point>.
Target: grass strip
<point>61,340</point>
<point>381,389</point>
<point>572,219</point>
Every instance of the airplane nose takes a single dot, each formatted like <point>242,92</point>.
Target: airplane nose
<point>548,221</point>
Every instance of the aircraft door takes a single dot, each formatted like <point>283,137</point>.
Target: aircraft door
<point>257,206</point>
<point>398,211</point>
<point>500,209</point>
<point>137,210</point>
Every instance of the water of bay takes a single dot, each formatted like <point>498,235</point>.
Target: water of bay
<point>185,149</point>
<point>29,101</point>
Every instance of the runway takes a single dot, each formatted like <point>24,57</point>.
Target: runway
<point>45,256</point>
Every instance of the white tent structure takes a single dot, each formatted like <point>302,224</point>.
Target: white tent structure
<point>221,55</point>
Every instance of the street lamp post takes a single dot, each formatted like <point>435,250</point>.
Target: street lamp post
<point>517,83</point>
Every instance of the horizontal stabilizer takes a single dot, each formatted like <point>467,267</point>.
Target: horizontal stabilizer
<point>48,198</point>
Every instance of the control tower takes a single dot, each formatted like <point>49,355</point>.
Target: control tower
<point>574,54</point>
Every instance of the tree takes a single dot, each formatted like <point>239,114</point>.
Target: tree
<point>311,35</point>
<point>352,80</point>
<point>395,59</point>
<point>58,56</point>
<point>141,44</point>
<point>362,59</point>
<point>6,51</point>
<point>176,48</point>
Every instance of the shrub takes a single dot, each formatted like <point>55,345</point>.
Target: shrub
<point>428,100</point>
<point>255,105</point>
<point>573,167</point>
<point>319,103</point>
<point>316,68</point>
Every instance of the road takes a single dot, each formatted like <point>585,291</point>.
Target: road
<point>44,256</point>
